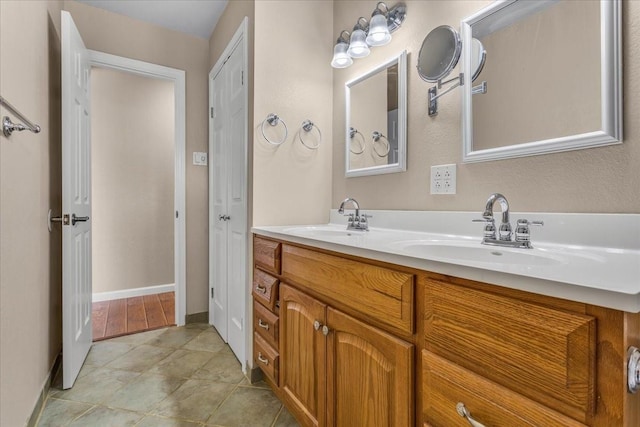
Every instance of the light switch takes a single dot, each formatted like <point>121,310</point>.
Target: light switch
<point>199,159</point>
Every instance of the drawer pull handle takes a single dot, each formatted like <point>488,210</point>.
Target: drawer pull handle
<point>261,289</point>
<point>263,325</point>
<point>262,359</point>
<point>633,367</point>
<point>464,413</point>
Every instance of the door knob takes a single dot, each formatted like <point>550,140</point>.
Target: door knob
<point>224,217</point>
<point>75,219</point>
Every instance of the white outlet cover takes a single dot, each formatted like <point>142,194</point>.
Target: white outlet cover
<point>443,179</point>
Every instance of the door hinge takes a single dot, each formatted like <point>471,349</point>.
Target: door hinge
<point>212,112</point>
<point>242,77</point>
<point>176,214</point>
<point>212,292</point>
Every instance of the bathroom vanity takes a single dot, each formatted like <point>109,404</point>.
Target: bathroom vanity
<point>348,335</point>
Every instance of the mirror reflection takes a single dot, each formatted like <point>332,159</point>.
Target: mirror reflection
<point>550,62</point>
<point>376,120</point>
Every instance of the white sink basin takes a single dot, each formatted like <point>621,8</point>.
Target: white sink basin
<point>477,253</point>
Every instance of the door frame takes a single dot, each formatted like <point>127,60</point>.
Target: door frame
<point>240,36</point>
<point>147,69</point>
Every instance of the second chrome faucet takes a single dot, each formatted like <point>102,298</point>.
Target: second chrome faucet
<point>355,221</point>
<point>504,232</point>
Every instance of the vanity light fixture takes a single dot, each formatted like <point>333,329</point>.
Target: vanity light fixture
<point>358,47</point>
<point>341,58</point>
<point>365,34</point>
<point>379,34</point>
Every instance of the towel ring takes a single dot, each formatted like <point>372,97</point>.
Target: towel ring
<point>273,120</point>
<point>352,133</point>
<point>376,137</point>
<point>307,126</point>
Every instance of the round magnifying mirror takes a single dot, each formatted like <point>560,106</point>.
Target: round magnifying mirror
<point>478,57</point>
<point>439,53</point>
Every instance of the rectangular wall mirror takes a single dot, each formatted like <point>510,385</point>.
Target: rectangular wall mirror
<point>376,110</point>
<point>554,78</point>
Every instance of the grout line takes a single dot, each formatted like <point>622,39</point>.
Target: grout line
<point>275,420</point>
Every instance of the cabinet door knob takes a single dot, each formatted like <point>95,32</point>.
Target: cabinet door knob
<point>317,325</point>
<point>262,359</point>
<point>263,325</point>
<point>325,330</point>
<point>464,413</point>
<point>633,370</point>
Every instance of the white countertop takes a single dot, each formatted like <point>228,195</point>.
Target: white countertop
<point>590,258</point>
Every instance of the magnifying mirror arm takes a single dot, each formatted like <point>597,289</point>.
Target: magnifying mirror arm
<point>434,95</point>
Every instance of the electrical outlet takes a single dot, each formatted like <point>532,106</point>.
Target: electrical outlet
<point>443,179</point>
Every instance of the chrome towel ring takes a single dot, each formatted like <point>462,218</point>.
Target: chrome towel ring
<point>274,120</point>
<point>307,126</point>
<point>352,133</point>
<point>376,137</point>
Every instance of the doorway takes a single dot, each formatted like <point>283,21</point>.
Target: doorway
<point>140,213</point>
<point>228,194</point>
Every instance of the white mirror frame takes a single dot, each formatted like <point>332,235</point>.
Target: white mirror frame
<point>611,93</point>
<point>401,166</point>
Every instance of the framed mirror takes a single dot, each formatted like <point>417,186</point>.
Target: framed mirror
<point>376,113</point>
<point>554,78</point>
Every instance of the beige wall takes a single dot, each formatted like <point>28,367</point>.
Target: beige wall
<point>30,183</point>
<point>119,35</point>
<point>132,172</point>
<point>593,180</point>
<point>293,78</point>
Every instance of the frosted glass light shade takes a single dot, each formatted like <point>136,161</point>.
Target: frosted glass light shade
<point>341,58</point>
<point>378,31</point>
<point>358,47</point>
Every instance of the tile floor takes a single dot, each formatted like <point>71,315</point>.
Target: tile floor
<point>182,377</point>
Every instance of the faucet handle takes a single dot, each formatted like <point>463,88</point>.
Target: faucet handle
<point>489,228</point>
<point>522,229</point>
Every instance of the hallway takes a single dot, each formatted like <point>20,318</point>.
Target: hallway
<point>184,376</point>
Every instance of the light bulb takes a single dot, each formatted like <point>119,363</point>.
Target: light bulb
<point>378,31</point>
<point>358,47</point>
<point>340,57</point>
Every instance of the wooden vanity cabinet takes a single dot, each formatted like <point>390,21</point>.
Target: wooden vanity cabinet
<point>355,342</point>
<point>338,371</point>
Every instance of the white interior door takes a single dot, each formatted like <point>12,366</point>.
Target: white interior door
<point>218,209</point>
<point>76,202</point>
<point>228,184</point>
<point>236,202</point>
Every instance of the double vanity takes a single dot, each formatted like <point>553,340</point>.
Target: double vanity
<point>416,322</point>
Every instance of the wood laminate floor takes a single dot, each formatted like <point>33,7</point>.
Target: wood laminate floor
<point>131,315</point>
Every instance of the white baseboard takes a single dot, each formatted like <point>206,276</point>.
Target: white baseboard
<point>135,292</point>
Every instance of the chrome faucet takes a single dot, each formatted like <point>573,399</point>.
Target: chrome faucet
<point>355,221</point>
<point>503,238</point>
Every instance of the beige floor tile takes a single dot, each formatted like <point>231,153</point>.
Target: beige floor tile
<point>247,406</point>
<point>175,337</point>
<point>107,417</point>
<point>201,326</point>
<point>285,419</point>
<point>61,412</point>
<point>144,392</point>
<point>154,421</point>
<point>182,363</point>
<point>96,386</point>
<point>104,352</point>
<point>140,358</point>
<point>195,400</point>
<point>260,384</point>
<point>206,341</point>
<point>224,367</point>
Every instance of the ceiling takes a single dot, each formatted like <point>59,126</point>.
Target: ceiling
<point>195,17</point>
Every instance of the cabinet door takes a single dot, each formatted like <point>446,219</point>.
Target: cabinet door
<point>369,375</point>
<point>303,355</point>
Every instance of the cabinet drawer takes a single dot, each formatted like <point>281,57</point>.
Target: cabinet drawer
<point>266,254</point>
<point>266,357</point>
<point>445,384</point>
<point>543,353</point>
<point>265,288</point>
<point>266,324</point>
<point>379,293</point>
